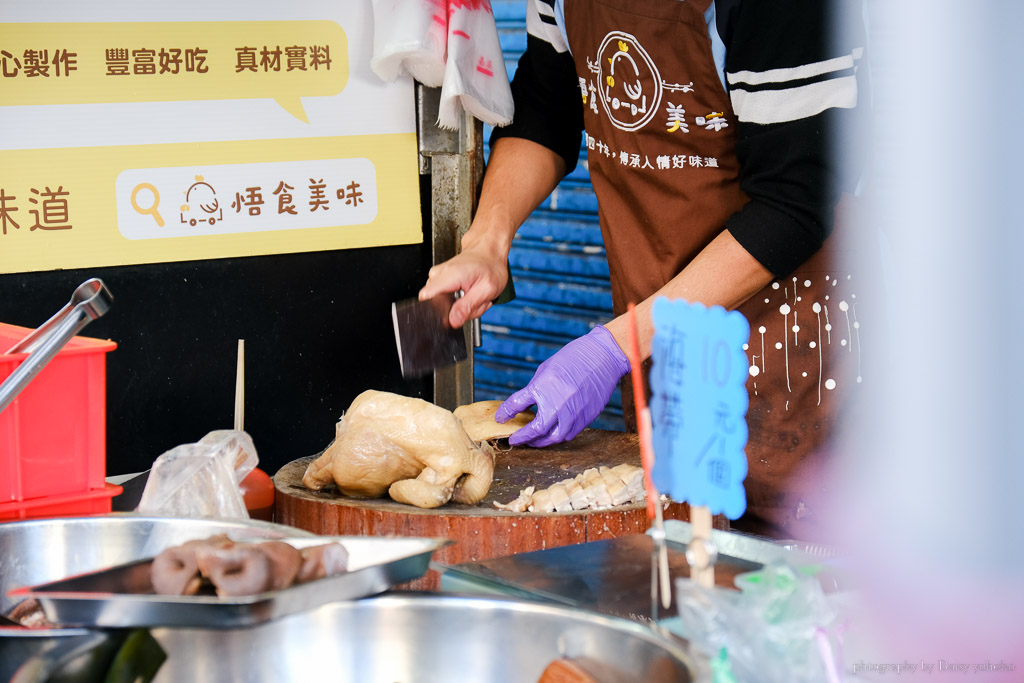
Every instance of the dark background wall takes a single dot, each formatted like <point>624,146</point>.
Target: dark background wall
<point>317,330</point>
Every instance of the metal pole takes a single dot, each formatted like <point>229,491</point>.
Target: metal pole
<point>455,162</point>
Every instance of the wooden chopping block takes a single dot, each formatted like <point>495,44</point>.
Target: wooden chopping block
<point>481,531</point>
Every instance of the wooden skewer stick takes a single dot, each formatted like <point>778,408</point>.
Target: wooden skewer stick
<point>702,571</point>
<point>240,388</point>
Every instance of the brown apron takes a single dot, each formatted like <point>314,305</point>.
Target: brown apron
<point>660,137</point>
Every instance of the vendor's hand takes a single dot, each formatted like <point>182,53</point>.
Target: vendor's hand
<point>570,389</point>
<point>479,270</point>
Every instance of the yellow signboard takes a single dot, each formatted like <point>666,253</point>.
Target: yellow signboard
<point>151,140</point>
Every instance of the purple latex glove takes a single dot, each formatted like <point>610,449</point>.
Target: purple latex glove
<point>569,389</point>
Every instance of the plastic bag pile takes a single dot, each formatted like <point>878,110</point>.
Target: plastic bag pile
<point>780,627</point>
<point>451,44</point>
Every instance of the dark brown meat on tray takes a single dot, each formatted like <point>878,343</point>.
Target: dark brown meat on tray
<point>319,561</point>
<point>285,563</point>
<point>175,572</point>
<point>237,569</point>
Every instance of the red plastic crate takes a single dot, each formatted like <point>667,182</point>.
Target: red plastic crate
<point>95,502</point>
<point>53,436</point>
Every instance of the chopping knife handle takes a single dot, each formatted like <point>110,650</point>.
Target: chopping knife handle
<point>509,292</point>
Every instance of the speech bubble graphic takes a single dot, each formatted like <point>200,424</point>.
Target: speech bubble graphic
<point>88,63</point>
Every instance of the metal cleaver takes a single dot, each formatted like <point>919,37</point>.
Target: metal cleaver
<point>425,339</point>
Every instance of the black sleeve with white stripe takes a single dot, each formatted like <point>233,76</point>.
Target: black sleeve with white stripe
<point>793,86</point>
<point>545,89</point>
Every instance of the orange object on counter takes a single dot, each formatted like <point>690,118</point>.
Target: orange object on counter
<point>258,493</point>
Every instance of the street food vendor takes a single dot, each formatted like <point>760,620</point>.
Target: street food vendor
<point>711,130</point>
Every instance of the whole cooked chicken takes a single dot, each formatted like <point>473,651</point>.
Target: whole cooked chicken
<point>415,451</point>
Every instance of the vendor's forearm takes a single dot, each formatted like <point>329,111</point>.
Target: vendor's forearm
<point>520,175</point>
<point>723,274</point>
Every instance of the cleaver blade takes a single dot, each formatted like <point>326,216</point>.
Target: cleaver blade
<point>425,339</point>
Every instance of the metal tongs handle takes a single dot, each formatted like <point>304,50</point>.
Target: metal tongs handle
<point>90,300</point>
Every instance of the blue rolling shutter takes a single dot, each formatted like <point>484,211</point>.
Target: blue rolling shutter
<point>558,265</point>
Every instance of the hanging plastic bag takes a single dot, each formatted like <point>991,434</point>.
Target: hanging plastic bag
<point>474,76</point>
<point>410,36</point>
<point>201,479</point>
<point>451,44</point>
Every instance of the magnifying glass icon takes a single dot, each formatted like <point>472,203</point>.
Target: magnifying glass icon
<point>150,210</point>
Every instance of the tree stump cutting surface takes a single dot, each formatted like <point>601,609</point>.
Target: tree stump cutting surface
<point>481,531</point>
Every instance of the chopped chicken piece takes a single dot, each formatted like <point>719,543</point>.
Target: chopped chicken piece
<point>520,504</point>
<point>616,487</point>
<point>594,488</point>
<point>586,482</point>
<point>587,491</point>
<point>560,497</point>
<point>577,496</point>
<point>633,477</point>
<point>542,502</point>
<point>597,490</point>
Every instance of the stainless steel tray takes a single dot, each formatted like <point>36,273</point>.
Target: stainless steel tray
<point>612,576</point>
<point>122,597</point>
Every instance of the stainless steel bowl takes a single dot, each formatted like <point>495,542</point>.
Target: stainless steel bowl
<point>42,550</point>
<point>422,638</point>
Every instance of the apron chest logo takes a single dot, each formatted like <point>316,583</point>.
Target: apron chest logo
<point>629,87</point>
<point>628,84</point>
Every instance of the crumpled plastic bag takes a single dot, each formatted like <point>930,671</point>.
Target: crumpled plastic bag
<point>410,36</point>
<point>474,75</point>
<point>451,44</point>
<point>780,628</point>
<point>201,479</point>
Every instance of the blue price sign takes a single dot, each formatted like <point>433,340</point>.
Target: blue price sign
<point>699,404</point>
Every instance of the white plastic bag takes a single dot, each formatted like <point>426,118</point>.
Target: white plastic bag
<point>201,479</point>
<point>410,36</point>
<point>474,76</point>
<point>451,44</point>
